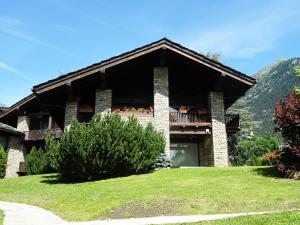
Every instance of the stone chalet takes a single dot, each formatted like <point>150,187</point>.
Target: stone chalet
<point>183,93</point>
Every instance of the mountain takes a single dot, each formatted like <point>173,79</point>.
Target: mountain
<point>273,82</point>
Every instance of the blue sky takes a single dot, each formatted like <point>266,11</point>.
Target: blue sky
<point>40,40</point>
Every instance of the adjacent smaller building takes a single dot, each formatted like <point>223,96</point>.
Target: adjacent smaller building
<point>12,140</point>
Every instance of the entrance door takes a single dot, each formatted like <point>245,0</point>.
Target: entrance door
<point>184,154</point>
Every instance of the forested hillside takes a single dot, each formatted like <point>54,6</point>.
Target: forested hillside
<point>273,82</point>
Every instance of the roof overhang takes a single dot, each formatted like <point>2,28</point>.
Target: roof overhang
<point>161,44</point>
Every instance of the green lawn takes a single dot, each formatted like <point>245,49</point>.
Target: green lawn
<point>282,218</point>
<point>1,217</point>
<point>165,192</point>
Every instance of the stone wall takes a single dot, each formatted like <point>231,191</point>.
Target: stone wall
<point>144,120</point>
<point>23,123</point>
<point>219,135</point>
<point>161,103</point>
<point>103,101</point>
<point>16,152</point>
<point>70,112</point>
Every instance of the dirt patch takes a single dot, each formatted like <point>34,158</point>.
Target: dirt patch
<point>148,208</point>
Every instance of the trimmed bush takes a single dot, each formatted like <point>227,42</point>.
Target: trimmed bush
<point>35,162</point>
<point>108,147</point>
<point>3,160</point>
<point>51,151</point>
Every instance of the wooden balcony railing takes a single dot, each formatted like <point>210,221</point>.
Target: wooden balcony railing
<point>34,135</point>
<point>188,118</point>
<point>232,122</point>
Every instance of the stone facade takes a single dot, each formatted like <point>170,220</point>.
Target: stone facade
<point>161,103</point>
<point>219,135</point>
<point>71,111</point>
<point>144,120</point>
<point>23,123</point>
<point>16,152</point>
<point>103,101</point>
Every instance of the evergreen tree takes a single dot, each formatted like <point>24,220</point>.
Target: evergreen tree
<point>247,126</point>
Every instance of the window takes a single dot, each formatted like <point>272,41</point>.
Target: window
<point>184,154</point>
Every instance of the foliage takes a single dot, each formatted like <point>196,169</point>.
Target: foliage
<point>162,161</point>
<point>287,122</point>
<point>36,162</point>
<point>3,159</point>
<point>247,127</point>
<point>107,147</point>
<point>213,56</point>
<point>297,73</point>
<point>51,151</point>
<point>271,158</point>
<point>249,151</point>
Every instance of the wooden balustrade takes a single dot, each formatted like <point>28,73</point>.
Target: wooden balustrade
<point>232,122</point>
<point>188,118</point>
<point>34,135</point>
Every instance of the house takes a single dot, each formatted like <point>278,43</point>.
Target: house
<point>11,139</point>
<point>183,93</point>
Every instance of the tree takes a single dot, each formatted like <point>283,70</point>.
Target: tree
<point>287,122</point>
<point>247,127</point>
<point>213,56</point>
<point>297,72</point>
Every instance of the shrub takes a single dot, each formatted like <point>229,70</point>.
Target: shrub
<point>249,151</point>
<point>3,160</point>
<point>36,162</point>
<point>287,120</point>
<point>51,151</point>
<point>108,147</point>
<point>162,161</point>
<point>271,158</point>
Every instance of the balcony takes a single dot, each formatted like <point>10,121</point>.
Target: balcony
<point>35,135</point>
<point>189,119</point>
<point>232,122</point>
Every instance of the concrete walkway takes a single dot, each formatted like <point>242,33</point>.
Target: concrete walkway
<point>22,214</point>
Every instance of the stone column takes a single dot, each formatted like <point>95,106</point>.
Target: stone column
<point>15,155</point>
<point>219,135</point>
<point>70,112</point>
<point>23,123</point>
<point>103,101</point>
<point>161,103</point>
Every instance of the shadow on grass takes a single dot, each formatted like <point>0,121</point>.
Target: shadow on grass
<point>56,179</point>
<point>268,172</point>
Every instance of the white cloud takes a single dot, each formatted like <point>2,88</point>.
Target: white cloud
<point>250,34</point>
<point>14,71</point>
<point>13,27</point>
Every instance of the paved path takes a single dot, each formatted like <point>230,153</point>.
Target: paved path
<point>22,214</point>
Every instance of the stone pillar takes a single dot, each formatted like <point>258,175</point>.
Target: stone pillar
<point>103,101</point>
<point>161,103</point>
<point>23,123</point>
<point>15,155</point>
<point>219,135</point>
<point>70,112</point>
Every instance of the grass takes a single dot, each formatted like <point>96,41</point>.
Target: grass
<point>164,192</point>
<point>282,218</point>
<point>1,217</point>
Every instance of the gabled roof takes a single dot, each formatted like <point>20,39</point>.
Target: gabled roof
<point>18,104</point>
<point>8,129</point>
<point>162,43</point>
